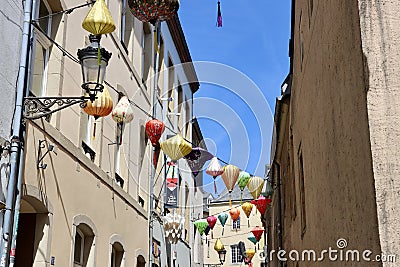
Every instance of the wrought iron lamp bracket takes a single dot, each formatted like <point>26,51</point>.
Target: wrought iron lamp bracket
<point>40,157</point>
<point>38,107</point>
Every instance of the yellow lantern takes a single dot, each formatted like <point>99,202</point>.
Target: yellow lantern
<point>98,20</point>
<point>247,207</point>
<point>218,245</point>
<point>176,147</point>
<point>101,106</point>
<point>255,186</point>
<point>250,253</point>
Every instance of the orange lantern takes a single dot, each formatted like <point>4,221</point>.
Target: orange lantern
<point>101,106</point>
<point>235,214</point>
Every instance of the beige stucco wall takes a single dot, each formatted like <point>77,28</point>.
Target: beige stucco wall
<point>380,33</point>
<point>231,236</point>
<point>329,123</point>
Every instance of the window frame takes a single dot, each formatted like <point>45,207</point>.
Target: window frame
<point>82,236</point>
<point>43,43</point>
<point>236,258</point>
<point>236,224</point>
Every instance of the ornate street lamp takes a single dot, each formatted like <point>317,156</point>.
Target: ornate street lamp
<point>222,254</point>
<point>94,61</point>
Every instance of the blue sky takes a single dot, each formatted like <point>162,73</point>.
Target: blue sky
<point>235,103</point>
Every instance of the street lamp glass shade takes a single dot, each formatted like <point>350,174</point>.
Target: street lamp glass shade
<point>93,60</point>
<point>222,255</point>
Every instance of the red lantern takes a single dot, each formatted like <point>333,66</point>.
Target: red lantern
<point>153,10</point>
<point>154,129</point>
<point>257,232</point>
<point>261,204</point>
<point>212,220</point>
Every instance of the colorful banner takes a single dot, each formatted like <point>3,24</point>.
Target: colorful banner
<point>172,185</point>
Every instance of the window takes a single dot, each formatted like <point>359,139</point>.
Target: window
<point>235,254</point>
<point>78,249</point>
<point>302,196</point>
<point>146,51</point>
<point>161,68</point>
<point>117,255</point>
<point>127,25</point>
<point>171,81</point>
<point>83,246</point>
<point>236,224</point>
<point>42,50</point>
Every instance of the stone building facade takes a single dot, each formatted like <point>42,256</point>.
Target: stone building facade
<point>335,153</point>
<point>90,205</point>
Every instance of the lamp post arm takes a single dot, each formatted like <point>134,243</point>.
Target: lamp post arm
<point>38,107</point>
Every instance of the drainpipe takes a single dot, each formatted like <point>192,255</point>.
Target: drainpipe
<point>157,28</point>
<point>278,187</point>
<point>16,140</point>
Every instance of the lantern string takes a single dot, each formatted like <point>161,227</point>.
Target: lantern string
<point>65,52</point>
<point>73,58</point>
<point>66,11</point>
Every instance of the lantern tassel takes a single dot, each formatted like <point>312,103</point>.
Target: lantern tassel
<point>215,187</point>
<point>241,196</point>
<point>94,130</point>
<point>219,17</point>
<point>212,235</point>
<point>248,223</point>
<point>230,200</point>
<point>223,228</point>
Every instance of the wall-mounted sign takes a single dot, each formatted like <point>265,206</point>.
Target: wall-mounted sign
<point>172,185</point>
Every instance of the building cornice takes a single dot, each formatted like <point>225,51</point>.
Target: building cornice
<point>179,39</point>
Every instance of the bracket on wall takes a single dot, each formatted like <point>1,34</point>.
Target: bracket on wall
<point>40,157</point>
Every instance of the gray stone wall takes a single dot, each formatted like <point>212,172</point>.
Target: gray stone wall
<point>380,33</point>
<point>11,17</point>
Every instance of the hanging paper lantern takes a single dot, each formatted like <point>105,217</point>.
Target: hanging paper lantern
<point>214,169</point>
<point>201,225</point>
<point>223,217</point>
<point>153,10</point>
<point>243,180</point>
<point>247,207</point>
<point>219,15</point>
<point>154,129</point>
<point>230,176</point>
<point>250,253</point>
<point>173,226</point>
<point>98,20</point>
<point>249,256</point>
<point>101,106</point>
<point>261,204</point>
<point>123,112</point>
<point>218,245</point>
<point>257,232</point>
<point>212,220</point>
<point>235,214</point>
<point>197,158</point>
<point>176,147</point>
<point>252,238</point>
<point>255,186</point>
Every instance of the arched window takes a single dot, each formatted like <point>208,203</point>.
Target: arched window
<point>83,246</point>
<point>117,255</point>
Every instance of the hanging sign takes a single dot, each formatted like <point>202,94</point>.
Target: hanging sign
<point>172,185</point>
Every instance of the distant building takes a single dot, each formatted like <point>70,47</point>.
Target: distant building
<point>233,232</point>
<point>335,150</point>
